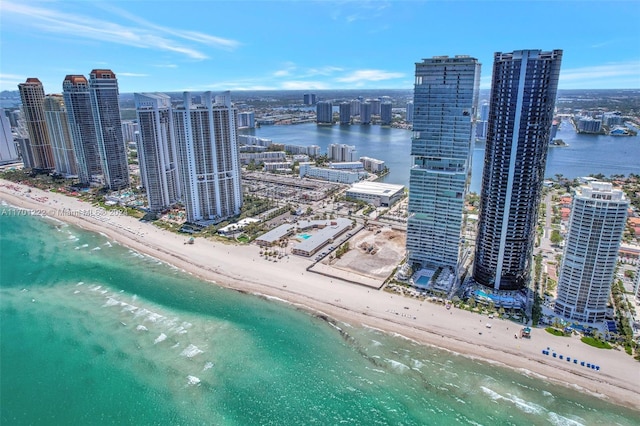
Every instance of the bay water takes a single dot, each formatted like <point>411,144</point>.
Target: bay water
<point>94,333</point>
<point>583,155</point>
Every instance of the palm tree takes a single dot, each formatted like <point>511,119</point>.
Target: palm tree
<point>472,302</point>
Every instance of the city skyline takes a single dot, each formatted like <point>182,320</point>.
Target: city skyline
<point>277,45</point>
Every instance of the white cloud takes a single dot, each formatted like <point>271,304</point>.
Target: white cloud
<point>291,69</point>
<point>235,85</point>
<point>369,75</point>
<point>286,70</point>
<point>326,70</point>
<point>302,85</point>
<point>218,42</point>
<point>146,36</point>
<point>11,81</point>
<point>365,10</point>
<point>132,74</point>
<point>166,66</point>
<point>612,75</point>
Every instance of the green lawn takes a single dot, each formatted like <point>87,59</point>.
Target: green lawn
<point>554,331</point>
<point>596,343</point>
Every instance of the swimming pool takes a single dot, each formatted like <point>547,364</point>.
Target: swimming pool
<point>504,300</point>
<point>423,280</point>
<point>304,236</point>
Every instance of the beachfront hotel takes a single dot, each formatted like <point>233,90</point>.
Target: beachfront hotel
<point>32,96</point>
<point>103,89</point>
<point>59,135</point>
<point>209,160</point>
<point>523,92</point>
<point>157,151</point>
<point>75,91</point>
<point>445,100</point>
<point>597,222</point>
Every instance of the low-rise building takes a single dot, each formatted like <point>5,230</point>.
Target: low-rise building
<point>347,165</point>
<point>325,233</point>
<point>589,125</point>
<point>236,227</point>
<point>262,157</point>
<point>276,235</point>
<point>372,165</point>
<point>331,175</point>
<point>278,166</point>
<point>376,193</point>
<point>311,150</point>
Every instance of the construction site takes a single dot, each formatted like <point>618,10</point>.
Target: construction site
<point>374,253</point>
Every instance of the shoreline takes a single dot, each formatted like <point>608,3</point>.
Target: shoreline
<point>332,300</point>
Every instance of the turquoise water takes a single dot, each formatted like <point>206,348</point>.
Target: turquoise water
<point>496,297</point>
<point>423,280</point>
<point>304,236</point>
<point>94,333</point>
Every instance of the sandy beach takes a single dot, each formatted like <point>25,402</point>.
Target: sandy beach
<point>241,268</point>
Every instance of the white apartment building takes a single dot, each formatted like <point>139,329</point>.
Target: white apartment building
<point>597,222</point>
<point>342,152</point>
<point>331,175</point>
<point>209,161</point>
<point>373,165</point>
<point>157,151</point>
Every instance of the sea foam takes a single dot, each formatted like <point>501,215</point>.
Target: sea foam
<point>193,381</point>
<point>162,337</point>
<point>191,351</point>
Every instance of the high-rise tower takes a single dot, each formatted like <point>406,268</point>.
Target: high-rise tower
<point>8,150</point>
<point>597,222</point>
<point>345,113</point>
<point>157,152</point>
<point>103,88</point>
<point>523,93</point>
<point>209,159</point>
<point>324,112</point>
<point>58,127</point>
<point>445,101</point>
<point>386,113</point>
<point>75,90</point>
<point>32,95</point>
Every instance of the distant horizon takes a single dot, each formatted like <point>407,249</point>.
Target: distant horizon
<point>302,91</point>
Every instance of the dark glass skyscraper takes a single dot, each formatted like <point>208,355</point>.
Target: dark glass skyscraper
<point>82,127</point>
<point>523,93</point>
<point>103,88</point>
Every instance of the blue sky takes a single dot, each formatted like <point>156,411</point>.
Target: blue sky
<point>308,45</point>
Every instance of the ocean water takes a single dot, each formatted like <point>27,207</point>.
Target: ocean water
<point>93,333</point>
